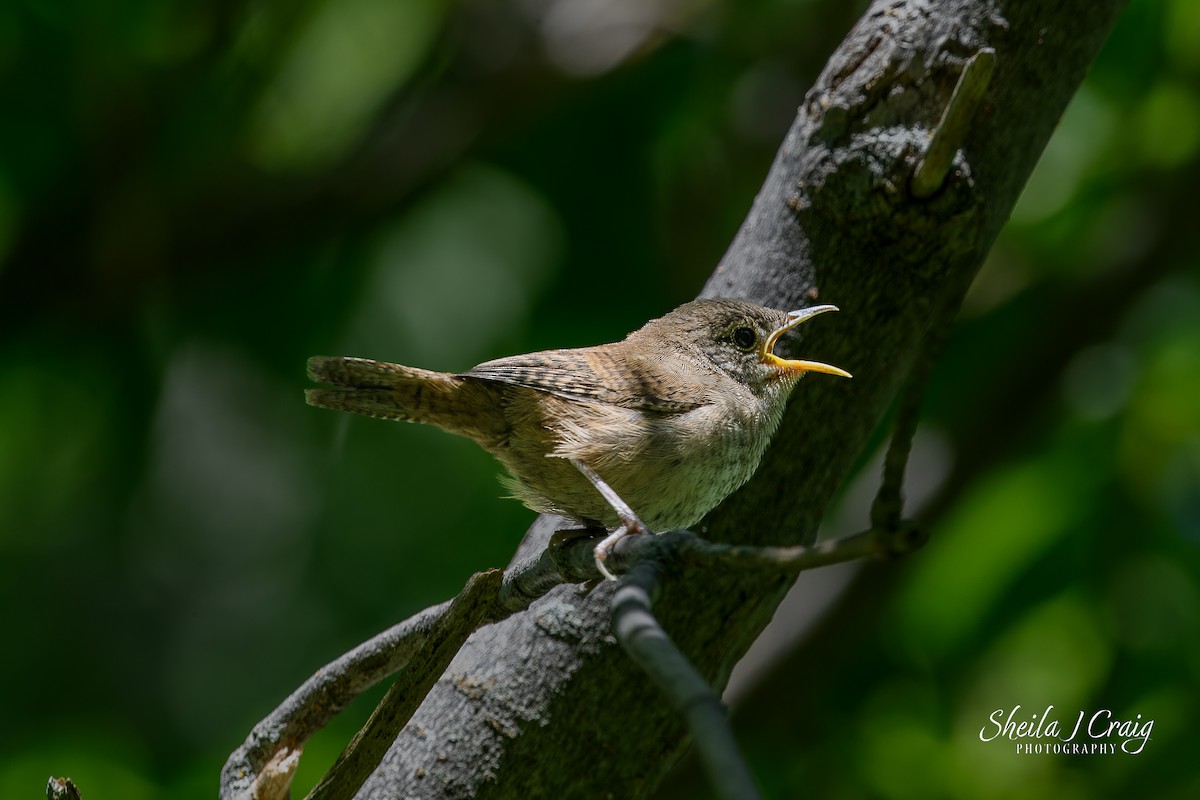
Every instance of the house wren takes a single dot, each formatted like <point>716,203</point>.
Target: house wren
<point>649,433</point>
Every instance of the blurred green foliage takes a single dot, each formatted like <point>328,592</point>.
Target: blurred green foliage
<point>194,198</point>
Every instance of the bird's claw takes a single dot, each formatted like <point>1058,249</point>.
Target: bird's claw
<point>630,522</point>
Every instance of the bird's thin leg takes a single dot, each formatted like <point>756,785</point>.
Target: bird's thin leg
<point>630,523</point>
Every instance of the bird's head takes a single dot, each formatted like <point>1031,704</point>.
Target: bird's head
<point>738,338</point>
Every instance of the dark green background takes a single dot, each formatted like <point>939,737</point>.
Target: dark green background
<point>195,198</point>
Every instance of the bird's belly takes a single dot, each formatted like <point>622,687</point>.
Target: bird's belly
<point>671,469</point>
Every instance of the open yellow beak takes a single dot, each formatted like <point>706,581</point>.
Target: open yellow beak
<point>794,365</point>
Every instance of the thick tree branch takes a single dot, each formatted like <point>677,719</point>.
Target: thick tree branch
<point>273,746</point>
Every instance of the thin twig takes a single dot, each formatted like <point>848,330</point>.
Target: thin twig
<point>887,509</point>
<point>644,639</point>
<point>443,641</point>
<point>268,752</point>
<point>690,550</point>
<point>269,755</point>
<point>954,124</point>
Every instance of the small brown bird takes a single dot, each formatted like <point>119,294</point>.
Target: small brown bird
<point>649,433</point>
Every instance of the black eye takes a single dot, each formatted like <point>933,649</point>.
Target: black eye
<point>744,338</point>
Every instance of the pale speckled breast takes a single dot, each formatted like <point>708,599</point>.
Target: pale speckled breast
<point>670,468</point>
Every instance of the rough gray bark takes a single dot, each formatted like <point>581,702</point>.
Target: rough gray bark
<point>544,704</point>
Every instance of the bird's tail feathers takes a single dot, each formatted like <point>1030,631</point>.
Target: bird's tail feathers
<point>393,391</point>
